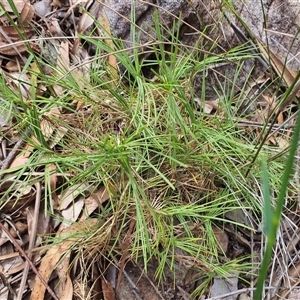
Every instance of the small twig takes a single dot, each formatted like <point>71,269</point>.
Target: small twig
<point>133,285</point>
<point>183,293</point>
<point>276,127</point>
<point>24,256</point>
<point>16,254</point>
<point>135,289</point>
<point>151,282</point>
<point>32,238</point>
<point>3,147</point>
<point>284,103</point>
<point>246,290</point>
<point>248,123</point>
<point>6,284</point>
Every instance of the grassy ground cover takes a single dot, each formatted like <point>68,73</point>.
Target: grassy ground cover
<point>169,175</point>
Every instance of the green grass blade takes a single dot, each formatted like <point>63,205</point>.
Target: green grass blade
<point>271,237</point>
<point>267,210</point>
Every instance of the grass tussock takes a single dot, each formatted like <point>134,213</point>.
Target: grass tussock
<point>172,172</point>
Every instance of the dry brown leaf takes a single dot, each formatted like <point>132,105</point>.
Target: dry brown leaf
<point>72,7</point>
<point>270,101</point>
<point>27,14</point>
<point>42,227</point>
<point>244,296</point>
<point>53,133</point>
<point>222,239</point>
<point>68,196</point>
<point>280,118</point>
<point>59,134</point>
<point>56,3</point>
<point>4,292</point>
<point>95,201</point>
<point>85,21</point>
<point>238,237</point>
<point>80,75</point>
<point>65,289</point>
<point>88,19</point>
<point>294,73</point>
<point>63,61</point>
<point>75,46</point>
<point>19,4</point>
<point>272,141</point>
<point>13,65</point>
<point>272,106</point>
<point>54,254</point>
<point>55,29</point>
<point>14,34</point>
<point>21,227</point>
<point>22,158</point>
<point>71,213</point>
<point>280,68</point>
<point>8,49</point>
<point>278,141</point>
<point>9,263</point>
<point>16,48</point>
<point>15,267</point>
<point>210,106</point>
<point>108,291</point>
<point>19,82</point>
<point>17,194</point>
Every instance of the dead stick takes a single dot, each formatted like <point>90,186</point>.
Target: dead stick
<point>24,255</point>
<point>32,238</point>
<point>290,97</point>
